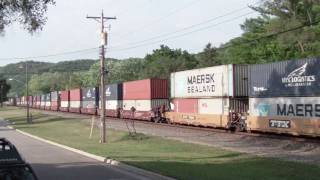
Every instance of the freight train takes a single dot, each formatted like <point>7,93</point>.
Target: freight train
<point>280,97</point>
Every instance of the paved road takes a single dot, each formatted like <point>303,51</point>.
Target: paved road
<point>54,163</point>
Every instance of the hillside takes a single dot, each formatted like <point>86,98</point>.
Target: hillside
<point>37,68</point>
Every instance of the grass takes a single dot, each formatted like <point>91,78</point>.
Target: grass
<point>167,157</point>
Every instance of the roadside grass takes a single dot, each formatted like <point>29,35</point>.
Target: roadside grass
<point>167,157</point>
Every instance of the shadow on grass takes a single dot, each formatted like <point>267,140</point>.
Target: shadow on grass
<point>225,157</point>
<point>134,137</point>
<point>242,169</point>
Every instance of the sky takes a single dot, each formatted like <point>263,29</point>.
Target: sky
<point>141,26</point>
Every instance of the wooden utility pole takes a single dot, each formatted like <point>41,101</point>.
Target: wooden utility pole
<point>104,37</point>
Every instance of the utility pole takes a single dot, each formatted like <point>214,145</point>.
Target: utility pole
<point>103,72</point>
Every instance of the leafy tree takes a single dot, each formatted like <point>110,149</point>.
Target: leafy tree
<point>209,57</point>
<point>29,13</point>
<point>4,89</point>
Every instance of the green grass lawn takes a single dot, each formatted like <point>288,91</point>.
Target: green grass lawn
<point>167,157</point>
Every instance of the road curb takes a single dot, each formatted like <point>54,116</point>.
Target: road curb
<point>108,161</point>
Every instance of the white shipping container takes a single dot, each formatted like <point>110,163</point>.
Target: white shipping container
<point>48,103</point>
<point>38,103</point>
<point>75,104</point>
<point>214,81</point>
<point>144,105</point>
<point>113,104</point>
<point>64,104</point>
<point>285,106</point>
<point>42,103</point>
<point>213,106</point>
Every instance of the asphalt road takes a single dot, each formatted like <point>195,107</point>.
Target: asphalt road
<point>54,163</point>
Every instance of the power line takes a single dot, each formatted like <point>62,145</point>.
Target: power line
<point>189,27</point>
<point>178,36</point>
<point>51,55</point>
<point>271,35</point>
<point>160,19</point>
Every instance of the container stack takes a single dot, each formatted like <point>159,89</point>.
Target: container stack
<point>90,100</point>
<point>30,98</point>
<point>43,101</point>
<point>18,101</point>
<point>65,98</point>
<point>285,97</point>
<point>23,101</point>
<point>55,101</point>
<point>114,95</point>
<point>34,102</point>
<point>38,101</point>
<point>48,102</point>
<point>206,96</point>
<point>141,97</point>
<point>75,101</point>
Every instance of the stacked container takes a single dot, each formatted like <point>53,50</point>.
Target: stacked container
<point>30,101</point>
<point>285,97</point>
<point>55,101</point>
<point>114,95</point>
<point>18,101</point>
<point>43,101</point>
<point>89,100</point>
<point>38,101</point>
<point>64,101</point>
<point>23,101</point>
<point>34,102</point>
<point>141,97</point>
<point>75,101</point>
<point>206,96</point>
<point>48,101</point>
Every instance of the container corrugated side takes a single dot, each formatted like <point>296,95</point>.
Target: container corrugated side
<point>65,96</point>
<point>185,105</point>
<point>75,104</point>
<point>240,80</point>
<point>204,82</point>
<point>304,107</point>
<point>285,79</point>
<point>54,96</point>
<point>218,106</point>
<point>144,105</point>
<point>145,89</point>
<point>114,104</point>
<point>64,104</point>
<point>75,95</point>
<point>89,94</point>
<point>114,91</point>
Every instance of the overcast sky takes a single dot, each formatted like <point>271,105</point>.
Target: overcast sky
<point>142,26</point>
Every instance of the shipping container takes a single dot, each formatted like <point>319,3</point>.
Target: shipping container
<point>34,102</point>
<point>75,106</point>
<point>38,103</point>
<point>219,106</point>
<point>75,95</point>
<point>43,102</point>
<point>145,89</point>
<point>143,108</point>
<point>307,107</point>
<point>285,79</point>
<point>90,100</point>
<point>64,101</point>
<point>54,96</point>
<point>48,102</point>
<point>114,91</point>
<point>217,81</point>
<point>293,115</point>
<point>185,105</point>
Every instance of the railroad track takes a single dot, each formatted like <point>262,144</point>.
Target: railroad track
<point>257,134</point>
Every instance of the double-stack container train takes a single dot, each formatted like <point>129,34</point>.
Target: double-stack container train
<point>280,97</point>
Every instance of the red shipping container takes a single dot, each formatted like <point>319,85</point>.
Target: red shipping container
<point>145,89</point>
<point>185,105</point>
<point>65,96</point>
<point>75,95</point>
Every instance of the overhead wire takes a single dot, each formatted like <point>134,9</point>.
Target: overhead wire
<point>115,49</point>
<point>188,27</point>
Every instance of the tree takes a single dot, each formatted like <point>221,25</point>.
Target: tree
<point>29,13</point>
<point>4,89</point>
<point>209,57</point>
